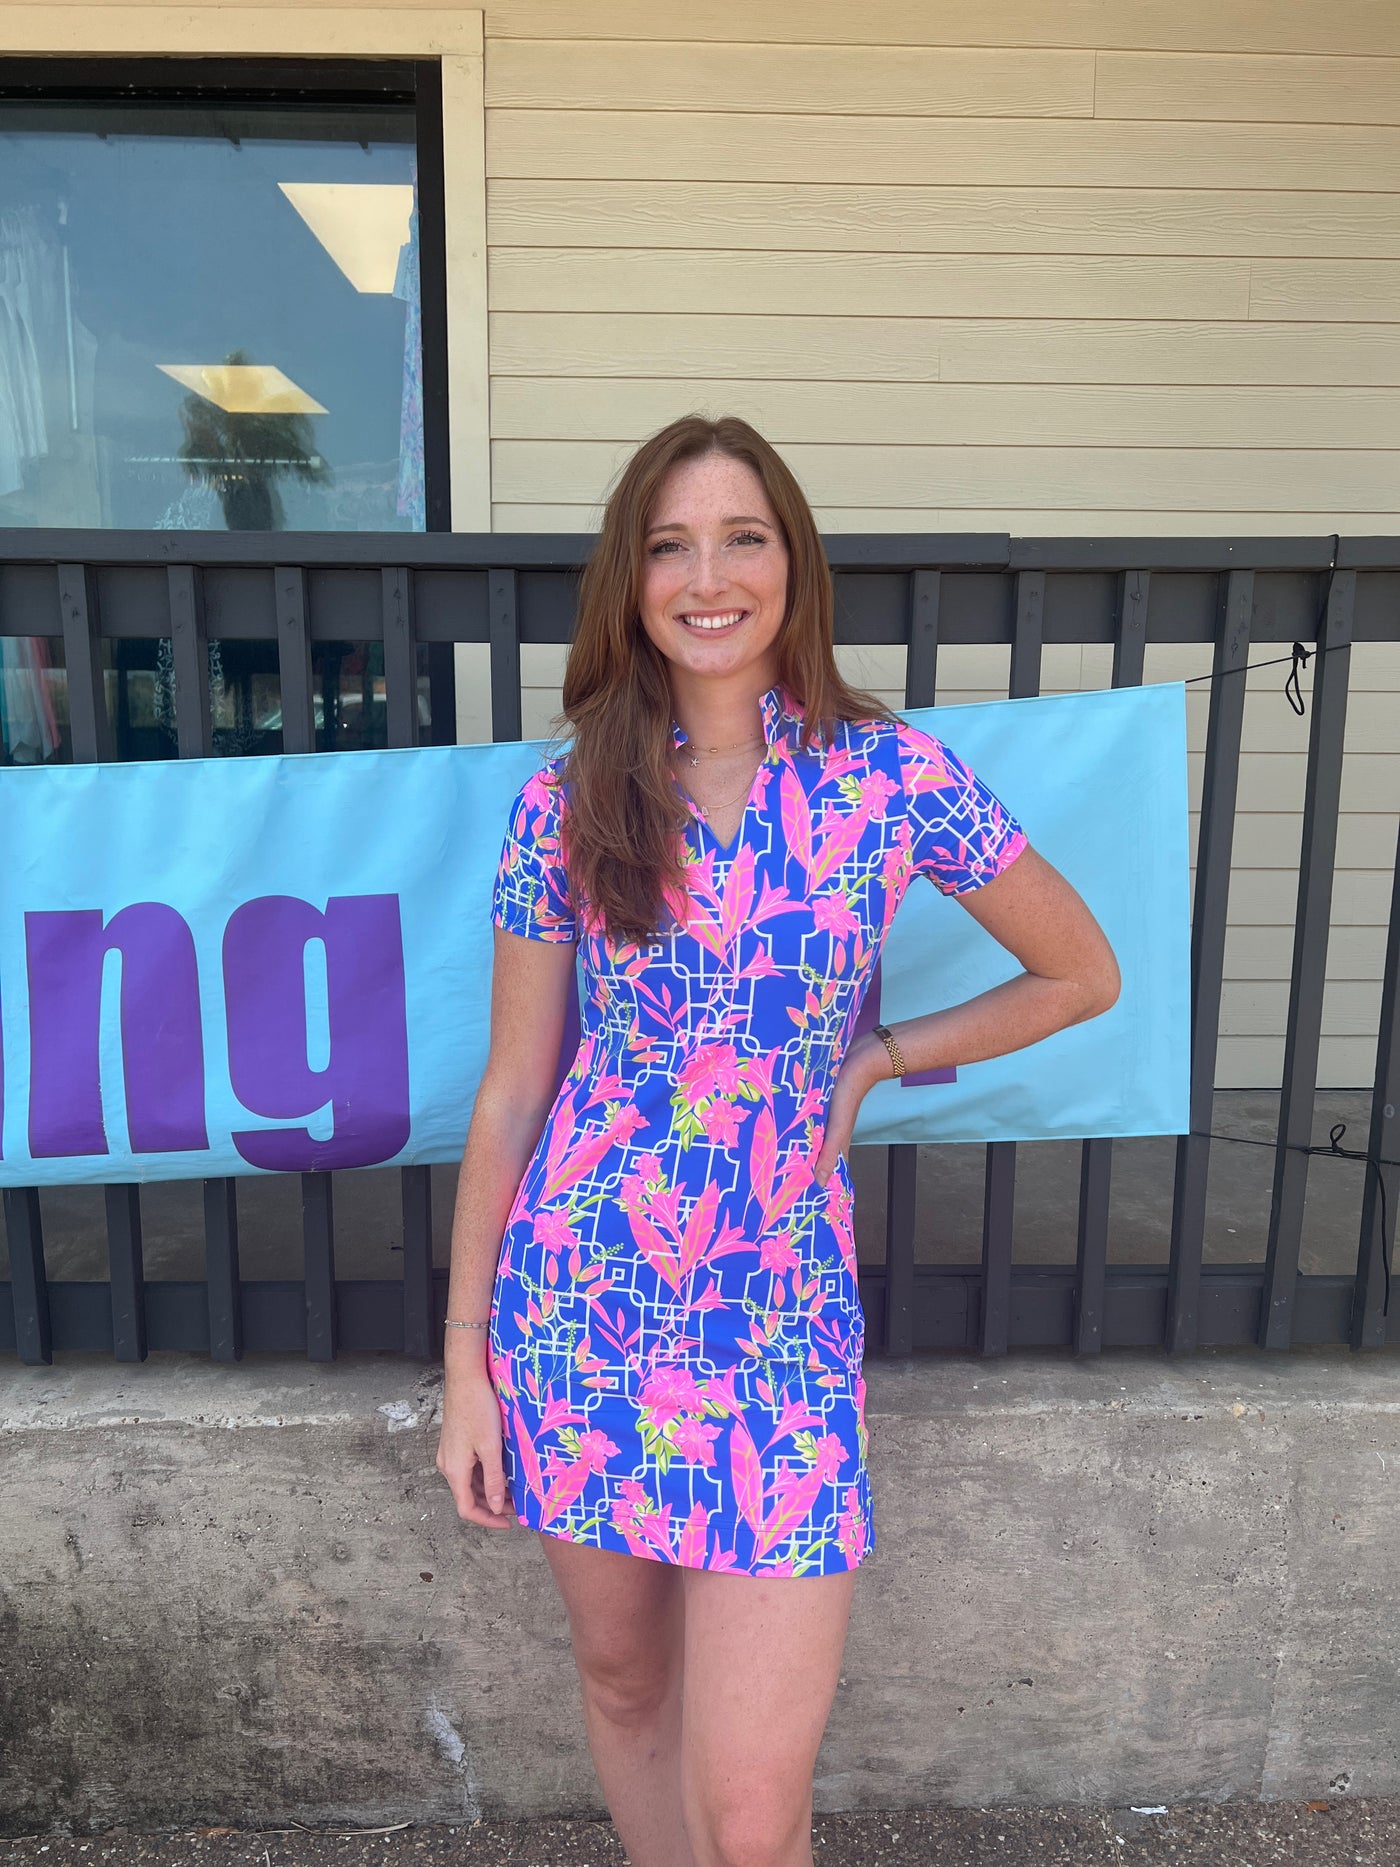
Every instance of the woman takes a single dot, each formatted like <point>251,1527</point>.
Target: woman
<point>655,1347</point>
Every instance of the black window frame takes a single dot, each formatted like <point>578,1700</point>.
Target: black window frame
<point>349,82</point>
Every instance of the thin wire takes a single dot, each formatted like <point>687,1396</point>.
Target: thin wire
<point>1374,1163</point>
<point>1299,658</point>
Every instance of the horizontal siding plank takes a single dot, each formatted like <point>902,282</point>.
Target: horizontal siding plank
<point>624,145</point>
<point>1259,1008</point>
<point>1321,291</point>
<point>943,81</point>
<point>1274,781</point>
<point>843,349</point>
<point>986,414</point>
<point>530,516</point>
<point>1247,88</point>
<point>1267,952</point>
<point>1364,839</point>
<point>1351,26</point>
<point>1041,285</point>
<point>1269,897</point>
<point>1257,1063</point>
<point>1045,477</point>
<point>1229,223</point>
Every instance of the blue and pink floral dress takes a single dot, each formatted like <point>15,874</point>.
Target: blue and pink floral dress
<point>677,1331</point>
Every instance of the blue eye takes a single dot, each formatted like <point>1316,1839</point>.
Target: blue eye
<point>752,538</point>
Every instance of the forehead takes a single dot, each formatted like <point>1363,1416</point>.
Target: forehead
<point>708,489</point>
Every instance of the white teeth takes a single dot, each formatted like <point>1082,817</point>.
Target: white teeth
<point>715,622</point>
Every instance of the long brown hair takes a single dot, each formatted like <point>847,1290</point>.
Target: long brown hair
<point>624,818</point>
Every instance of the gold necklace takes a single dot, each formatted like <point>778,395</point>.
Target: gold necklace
<point>746,745</point>
<point>723,803</point>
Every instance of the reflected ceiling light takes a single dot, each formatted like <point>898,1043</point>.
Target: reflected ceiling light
<point>362,225</point>
<point>244,388</point>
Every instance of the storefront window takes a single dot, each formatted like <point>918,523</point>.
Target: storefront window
<point>209,315</point>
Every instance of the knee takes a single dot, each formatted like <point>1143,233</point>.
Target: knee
<point>747,1831</point>
<point>628,1692</point>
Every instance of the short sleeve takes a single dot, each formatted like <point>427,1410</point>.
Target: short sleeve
<point>962,834</point>
<point>531,895</point>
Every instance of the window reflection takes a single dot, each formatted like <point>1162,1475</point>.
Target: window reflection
<point>209,317</point>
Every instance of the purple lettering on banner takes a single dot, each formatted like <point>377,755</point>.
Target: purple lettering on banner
<point>869,1017</point>
<point>366,1079</point>
<point>161,1036</point>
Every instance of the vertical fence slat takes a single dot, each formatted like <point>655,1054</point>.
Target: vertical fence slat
<point>1376,1245</point>
<point>1213,855</point>
<point>294,659</point>
<point>29,1288</point>
<point>190,648</point>
<point>126,1271</point>
<point>89,726</point>
<point>921,665</point>
<point>418,1264</point>
<point>998,1214</point>
<point>194,735</point>
<point>318,1265</point>
<point>505,656</point>
<point>1091,1265</point>
<point>999,1196</point>
<point>91,733</point>
<point>224,1291</point>
<point>400,657</point>
<point>1130,635</point>
<point>299,735</point>
<point>415,1185</point>
<point>1096,1156</point>
<point>901,1207</point>
<point>1317,857</point>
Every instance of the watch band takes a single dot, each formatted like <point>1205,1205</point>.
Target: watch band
<point>886,1037</point>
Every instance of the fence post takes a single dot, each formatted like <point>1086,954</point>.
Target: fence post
<point>1381,1196</point>
<point>1224,732</point>
<point>1303,1040</point>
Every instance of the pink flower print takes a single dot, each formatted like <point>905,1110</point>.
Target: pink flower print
<point>670,1391</point>
<point>553,1231</point>
<point>777,1253</point>
<point>833,914</point>
<point>831,1456</point>
<point>713,1070</point>
<point>694,1440</point>
<point>876,790</point>
<point>595,1449</point>
<point>649,1168</point>
<point>851,1534</point>
<point>720,1120</point>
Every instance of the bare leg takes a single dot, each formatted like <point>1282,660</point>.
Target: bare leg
<point>627,1619</point>
<point>762,1660</point>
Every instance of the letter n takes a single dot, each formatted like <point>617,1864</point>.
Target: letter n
<point>162,1042</point>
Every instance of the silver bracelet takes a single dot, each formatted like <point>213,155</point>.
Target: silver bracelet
<point>467,1325</point>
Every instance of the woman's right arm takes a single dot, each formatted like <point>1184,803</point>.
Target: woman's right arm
<point>530,985</point>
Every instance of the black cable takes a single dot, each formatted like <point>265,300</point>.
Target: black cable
<point>1299,659</point>
<point>1374,1163</point>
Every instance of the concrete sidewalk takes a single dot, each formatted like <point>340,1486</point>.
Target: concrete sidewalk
<point>1360,1833</point>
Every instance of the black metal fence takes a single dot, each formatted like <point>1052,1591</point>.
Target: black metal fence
<point>924,592</point>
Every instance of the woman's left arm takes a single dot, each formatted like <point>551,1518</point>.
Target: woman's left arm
<point>1070,975</point>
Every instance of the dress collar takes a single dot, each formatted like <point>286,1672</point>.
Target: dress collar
<point>782,718</point>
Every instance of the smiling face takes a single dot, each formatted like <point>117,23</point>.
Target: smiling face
<point>715,573</point>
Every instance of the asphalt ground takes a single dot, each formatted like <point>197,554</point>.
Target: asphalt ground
<point>1352,1832</point>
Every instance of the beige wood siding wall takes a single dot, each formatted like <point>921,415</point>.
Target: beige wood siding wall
<point>1130,268</point>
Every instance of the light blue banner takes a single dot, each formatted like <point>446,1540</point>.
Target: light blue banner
<point>231,966</point>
